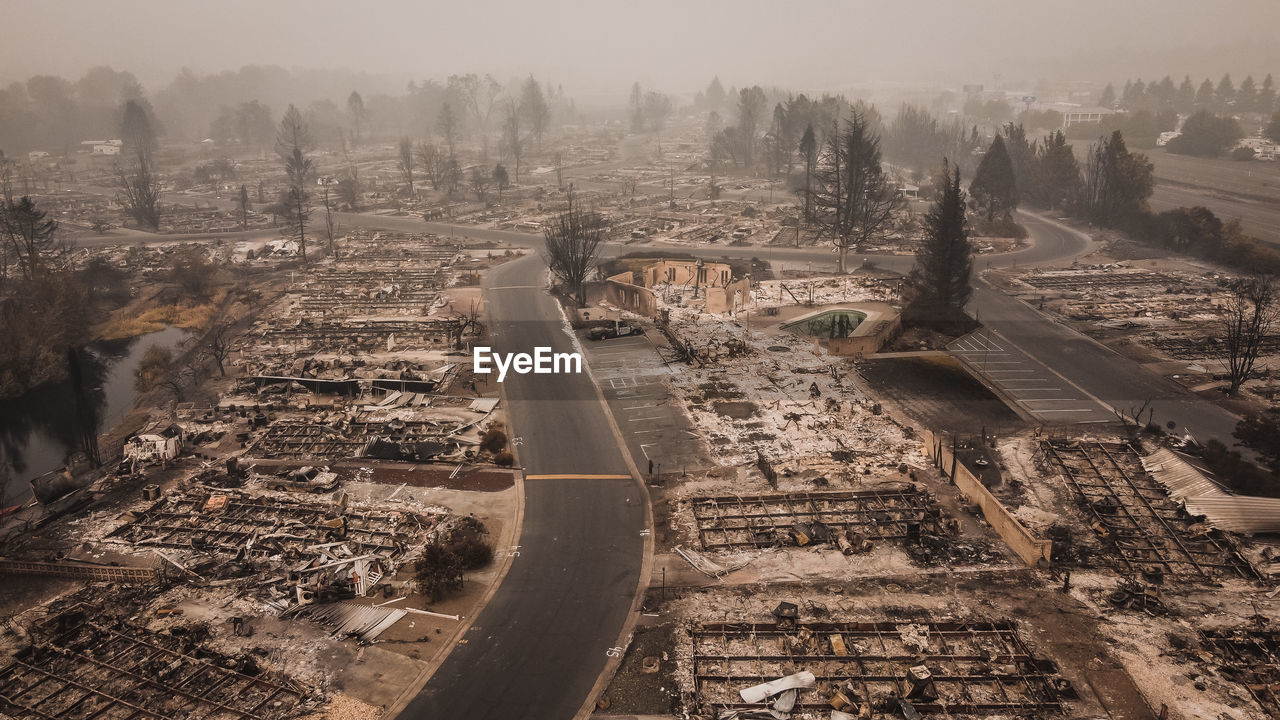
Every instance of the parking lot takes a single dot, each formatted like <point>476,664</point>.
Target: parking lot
<point>1021,379</point>
<point>629,371</point>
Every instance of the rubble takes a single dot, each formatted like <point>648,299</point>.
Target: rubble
<point>1149,533</point>
<point>970,667</point>
<point>83,660</point>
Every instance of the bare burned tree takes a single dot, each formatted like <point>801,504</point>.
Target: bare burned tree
<point>1247,317</point>
<point>461,323</point>
<point>572,247</point>
<point>854,199</point>
<point>511,136</point>
<point>431,162</point>
<point>330,226</point>
<point>139,187</point>
<point>216,345</point>
<point>481,179</point>
<point>406,163</point>
<point>293,142</point>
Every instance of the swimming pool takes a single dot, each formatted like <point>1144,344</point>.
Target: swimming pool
<point>827,324</point>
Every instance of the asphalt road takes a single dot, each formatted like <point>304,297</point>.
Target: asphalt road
<point>539,645</point>
<point>1115,382</point>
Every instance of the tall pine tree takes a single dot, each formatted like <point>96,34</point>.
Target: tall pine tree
<point>940,280</point>
<point>994,186</point>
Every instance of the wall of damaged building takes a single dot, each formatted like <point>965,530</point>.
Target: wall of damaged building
<point>881,334</point>
<point>1026,545</point>
<point>722,294</point>
<point>688,272</point>
<point>619,291</point>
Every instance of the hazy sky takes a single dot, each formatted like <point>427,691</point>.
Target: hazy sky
<point>598,46</point>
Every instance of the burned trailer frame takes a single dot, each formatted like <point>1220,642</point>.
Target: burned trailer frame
<point>272,525</point>
<point>1082,280</point>
<point>975,667</point>
<point>1251,657</point>
<point>295,438</point>
<point>339,335</point>
<point>1196,347</point>
<point>81,664</point>
<point>758,521</point>
<point>1150,532</point>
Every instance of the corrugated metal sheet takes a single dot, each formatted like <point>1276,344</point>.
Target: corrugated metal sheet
<point>1202,496</point>
<point>1178,476</point>
<point>351,619</point>
<point>1244,514</point>
<point>484,405</point>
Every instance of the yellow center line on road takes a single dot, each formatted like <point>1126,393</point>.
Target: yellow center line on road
<point>577,477</point>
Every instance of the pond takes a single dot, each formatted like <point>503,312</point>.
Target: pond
<point>827,324</point>
<point>41,428</point>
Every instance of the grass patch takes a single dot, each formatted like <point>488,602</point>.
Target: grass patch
<point>134,321</point>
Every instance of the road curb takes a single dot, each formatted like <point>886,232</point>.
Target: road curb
<point>646,562</point>
<point>512,538</point>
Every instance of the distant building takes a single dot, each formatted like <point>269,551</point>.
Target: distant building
<point>1081,115</point>
<point>37,155</point>
<point>1263,148</point>
<point>103,147</point>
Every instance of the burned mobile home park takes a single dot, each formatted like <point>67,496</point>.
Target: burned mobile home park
<point>478,361</point>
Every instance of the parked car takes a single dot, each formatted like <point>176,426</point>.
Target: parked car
<point>616,331</point>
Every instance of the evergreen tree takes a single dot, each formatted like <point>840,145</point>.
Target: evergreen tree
<point>1116,183</point>
<point>1266,99</point>
<point>534,109</point>
<point>940,280</point>
<point>1247,95</point>
<point>1055,172</point>
<point>1204,96</point>
<point>1108,97</point>
<point>635,106</point>
<point>1225,95</point>
<point>1273,128</point>
<point>1186,98</point>
<point>809,149</point>
<point>715,94</point>
<point>243,207</point>
<point>1020,156</point>
<point>1165,94</point>
<point>1206,135</point>
<point>994,187</point>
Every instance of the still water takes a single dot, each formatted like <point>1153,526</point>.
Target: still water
<point>38,430</point>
